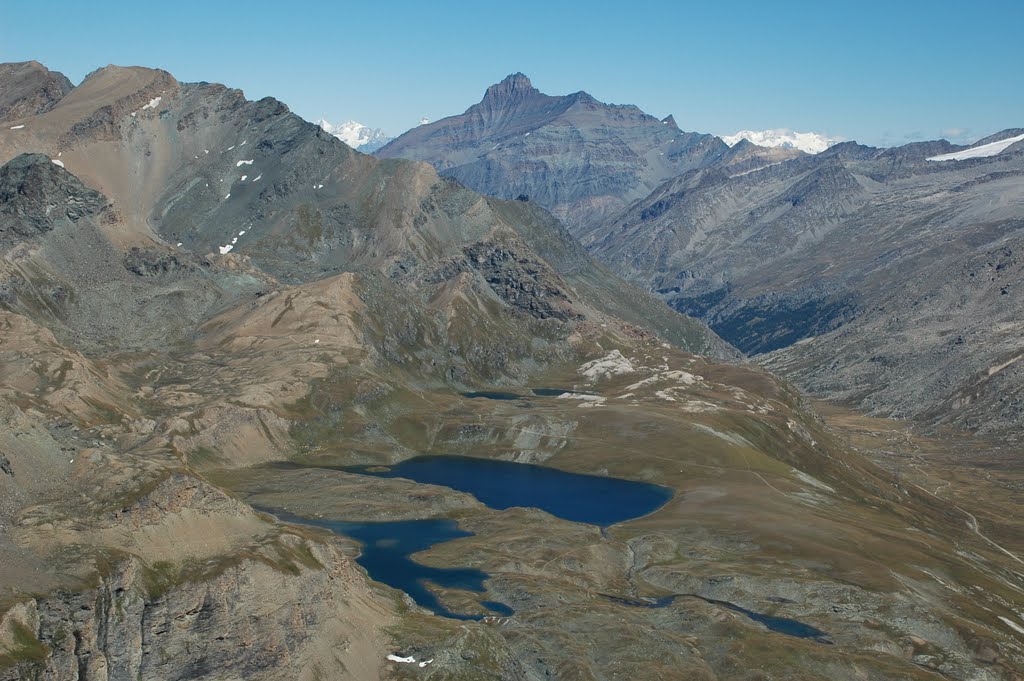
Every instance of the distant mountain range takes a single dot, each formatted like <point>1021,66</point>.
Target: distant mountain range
<point>809,142</point>
<point>357,135</point>
<point>580,158</point>
<point>887,278</point>
<point>788,243</point>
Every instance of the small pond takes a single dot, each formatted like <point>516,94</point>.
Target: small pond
<point>781,625</point>
<point>492,395</point>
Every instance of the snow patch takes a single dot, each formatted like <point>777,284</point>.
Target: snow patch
<point>258,177</point>
<point>731,438</point>
<point>812,481</point>
<point>17,127</point>
<point>587,400</point>
<point>152,103</point>
<point>699,406</point>
<point>1013,625</point>
<point>612,364</point>
<point>984,151</point>
<point>228,195</point>
<point>224,250</point>
<point>243,163</point>
<point>57,162</point>
<point>403,660</point>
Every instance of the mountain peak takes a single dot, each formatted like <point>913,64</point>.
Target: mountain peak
<point>810,142</point>
<point>514,87</point>
<point>356,135</point>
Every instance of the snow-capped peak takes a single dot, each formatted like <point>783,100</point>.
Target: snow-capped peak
<point>810,142</point>
<point>356,135</point>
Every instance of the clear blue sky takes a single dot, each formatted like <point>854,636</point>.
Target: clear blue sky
<point>879,72</point>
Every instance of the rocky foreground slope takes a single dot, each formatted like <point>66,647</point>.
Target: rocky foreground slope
<point>194,286</point>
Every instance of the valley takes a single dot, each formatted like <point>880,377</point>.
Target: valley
<point>274,408</point>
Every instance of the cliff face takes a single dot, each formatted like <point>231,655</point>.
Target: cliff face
<point>304,615</point>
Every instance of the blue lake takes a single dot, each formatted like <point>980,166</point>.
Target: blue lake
<point>492,395</point>
<point>387,549</point>
<point>781,625</point>
<point>592,499</point>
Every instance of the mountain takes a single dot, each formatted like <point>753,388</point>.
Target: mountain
<point>578,157</point>
<point>30,88</point>
<point>216,317</point>
<point>357,135</point>
<point>882,278</point>
<point>809,142</point>
<point>984,148</point>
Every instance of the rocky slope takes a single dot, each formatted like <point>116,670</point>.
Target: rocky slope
<point>30,88</point>
<point>207,289</point>
<point>875,275</point>
<point>578,157</point>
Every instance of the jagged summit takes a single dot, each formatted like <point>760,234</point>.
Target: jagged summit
<point>513,86</point>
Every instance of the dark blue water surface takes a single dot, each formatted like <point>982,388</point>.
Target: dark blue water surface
<point>581,498</point>
<point>492,395</point>
<point>386,556</point>
<point>782,625</point>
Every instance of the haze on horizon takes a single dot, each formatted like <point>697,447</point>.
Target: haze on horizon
<point>880,73</point>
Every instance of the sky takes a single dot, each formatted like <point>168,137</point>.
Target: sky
<point>882,73</point>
